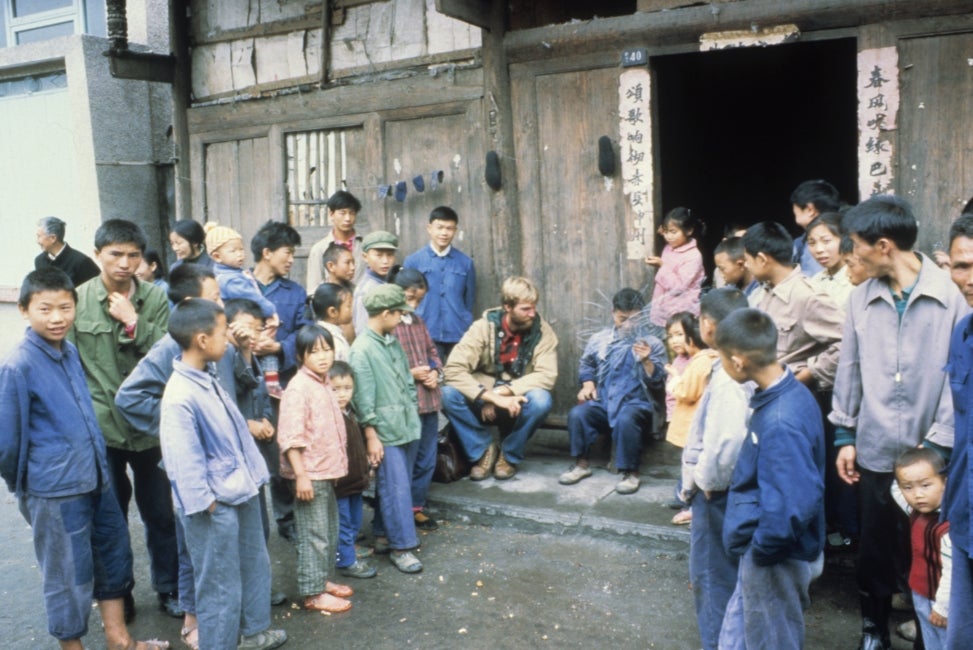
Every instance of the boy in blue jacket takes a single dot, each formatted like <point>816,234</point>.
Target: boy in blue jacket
<point>777,531</point>
<point>53,457</point>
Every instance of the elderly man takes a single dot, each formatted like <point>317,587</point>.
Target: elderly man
<point>56,253</point>
<point>501,372</point>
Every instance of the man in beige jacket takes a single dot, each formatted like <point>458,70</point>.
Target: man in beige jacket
<point>501,373</point>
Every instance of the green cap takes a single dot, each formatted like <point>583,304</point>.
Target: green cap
<point>385,296</point>
<point>380,239</point>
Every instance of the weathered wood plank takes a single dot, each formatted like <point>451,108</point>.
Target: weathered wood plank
<point>686,24</point>
<point>935,169</point>
<point>469,11</point>
<point>411,93</point>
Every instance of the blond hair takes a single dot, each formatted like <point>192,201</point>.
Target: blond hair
<point>516,289</point>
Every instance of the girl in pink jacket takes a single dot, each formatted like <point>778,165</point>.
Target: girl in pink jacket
<point>680,275</point>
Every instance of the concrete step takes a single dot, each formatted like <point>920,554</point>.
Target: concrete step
<point>534,501</point>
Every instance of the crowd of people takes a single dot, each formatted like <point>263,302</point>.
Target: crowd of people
<point>815,397</point>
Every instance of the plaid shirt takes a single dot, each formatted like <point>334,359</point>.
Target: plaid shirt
<point>420,351</point>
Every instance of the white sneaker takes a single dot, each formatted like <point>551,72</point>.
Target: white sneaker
<point>574,475</point>
<point>630,483</point>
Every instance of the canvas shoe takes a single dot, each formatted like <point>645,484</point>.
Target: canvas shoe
<point>629,484</point>
<point>574,475</point>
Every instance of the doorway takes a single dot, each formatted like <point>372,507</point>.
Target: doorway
<point>740,129</point>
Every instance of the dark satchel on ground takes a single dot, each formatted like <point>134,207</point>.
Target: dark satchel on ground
<point>451,464</point>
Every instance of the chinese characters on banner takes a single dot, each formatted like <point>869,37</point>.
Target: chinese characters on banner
<point>878,107</point>
<point>635,142</point>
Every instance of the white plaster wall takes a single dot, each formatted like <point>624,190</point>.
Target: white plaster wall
<point>38,177</point>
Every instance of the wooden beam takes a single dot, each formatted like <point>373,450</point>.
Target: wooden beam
<point>474,12</point>
<point>498,119</point>
<point>688,23</point>
<point>407,94</point>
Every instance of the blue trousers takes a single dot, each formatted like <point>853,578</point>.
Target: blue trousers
<point>766,610</point>
<point>83,551</point>
<point>232,573</point>
<point>349,523</point>
<point>588,420</point>
<point>712,571</point>
<point>153,495</point>
<point>933,638</point>
<point>960,628</point>
<point>393,489</point>
<point>425,463</point>
<point>476,436</point>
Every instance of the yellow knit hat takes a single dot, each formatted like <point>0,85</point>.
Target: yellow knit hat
<point>217,235</point>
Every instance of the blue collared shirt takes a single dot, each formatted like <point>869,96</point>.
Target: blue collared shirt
<point>139,396</point>
<point>290,298</point>
<point>206,445</point>
<point>50,442</point>
<point>447,308</point>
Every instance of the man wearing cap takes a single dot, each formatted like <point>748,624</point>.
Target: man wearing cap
<point>388,410</point>
<point>378,253</point>
<point>501,373</point>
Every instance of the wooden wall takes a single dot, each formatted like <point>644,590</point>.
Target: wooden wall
<point>427,111</point>
<point>935,130</point>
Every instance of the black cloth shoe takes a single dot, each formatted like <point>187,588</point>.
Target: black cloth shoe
<point>129,605</point>
<point>277,598</point>
<point>424,521</point>
<point>288,532</point>
<point>169,603</point>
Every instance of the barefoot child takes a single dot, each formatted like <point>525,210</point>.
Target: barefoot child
<point>64,477</point>
<point>313,453</point>
<point>921,484</point>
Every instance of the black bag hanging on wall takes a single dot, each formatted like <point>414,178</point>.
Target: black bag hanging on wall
<point>451,463</point>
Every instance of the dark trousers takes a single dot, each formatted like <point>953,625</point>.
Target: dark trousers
<point>840,499</point>
<point>281,494</point>
<point>883,550</point>
<point>153,496</point>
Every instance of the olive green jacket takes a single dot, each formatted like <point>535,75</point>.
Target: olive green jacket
<point>385,393</point>
<point>108,355</point>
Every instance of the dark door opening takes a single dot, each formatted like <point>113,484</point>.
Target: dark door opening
<point>740,129</point>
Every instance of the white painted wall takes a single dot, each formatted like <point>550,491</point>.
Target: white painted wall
<point>39,176</point>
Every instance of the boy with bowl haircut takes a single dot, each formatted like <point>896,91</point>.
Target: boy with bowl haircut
<point>388,410</point>
<point>728,256</point>
<point>378,255</point>
<point>919,486</point>
<point>216,472</point>
<point>775,530</point>
<point>448,307</point>
<point>46,410</point>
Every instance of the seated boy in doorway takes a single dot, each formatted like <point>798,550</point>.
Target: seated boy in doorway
<point>775,530</point>
<point>618,368</point>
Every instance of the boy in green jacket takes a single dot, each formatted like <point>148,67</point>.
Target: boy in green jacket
<point>387,406</point>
